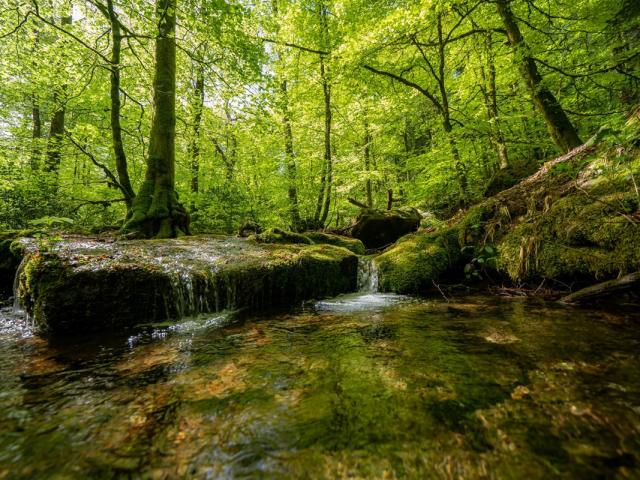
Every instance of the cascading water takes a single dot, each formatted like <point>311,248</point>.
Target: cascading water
<point>367,275</point>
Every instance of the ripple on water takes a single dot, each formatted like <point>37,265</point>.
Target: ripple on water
<point>357,302</point>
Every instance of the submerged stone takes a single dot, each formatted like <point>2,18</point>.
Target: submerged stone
<point>86,285</point>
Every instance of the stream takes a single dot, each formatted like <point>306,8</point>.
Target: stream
<point>359,386</point>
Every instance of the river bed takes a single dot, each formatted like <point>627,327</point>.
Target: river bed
<point>361,386</point>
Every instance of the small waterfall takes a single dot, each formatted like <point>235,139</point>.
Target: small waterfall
<point>17,306</point>
<point>367,275</point>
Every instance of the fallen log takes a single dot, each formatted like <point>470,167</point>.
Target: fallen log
<point>603,289</point>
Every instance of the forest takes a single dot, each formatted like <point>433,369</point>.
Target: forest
<point>282,111</point>
<point>319,239</point>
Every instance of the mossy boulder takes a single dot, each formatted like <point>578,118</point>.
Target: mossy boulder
<point>284,237</point>
<point>353,244</point>
<point>379,228</point>
<point>417,260</point>
<point>89,286</point>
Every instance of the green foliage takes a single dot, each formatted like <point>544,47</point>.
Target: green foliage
<point>385,134</point>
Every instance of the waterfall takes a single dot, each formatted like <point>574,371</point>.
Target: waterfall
<point>367,275</point>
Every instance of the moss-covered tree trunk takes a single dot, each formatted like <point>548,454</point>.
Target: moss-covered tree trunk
<point>156,211</point>
<point>560,127</point>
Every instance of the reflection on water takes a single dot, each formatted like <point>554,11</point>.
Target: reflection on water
<point>360,386</point>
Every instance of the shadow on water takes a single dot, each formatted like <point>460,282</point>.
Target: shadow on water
<point>362,386</point>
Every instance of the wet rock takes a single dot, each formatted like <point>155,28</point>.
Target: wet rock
<point>379,228</point>
<point>88,286</point>
<point>9,260</point>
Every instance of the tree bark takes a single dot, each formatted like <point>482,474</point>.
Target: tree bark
<point>290,161</point>
<point>156,211</point>
<point>558,124</point>
<point>367,163</point>
<point>36,133</point>
<point>326,179</point>
<point>194,145</point>
<point>56,127</point>
<point>120,156</point>
<point>489,92</point>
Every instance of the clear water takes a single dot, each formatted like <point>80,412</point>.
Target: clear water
<point>360,387</point>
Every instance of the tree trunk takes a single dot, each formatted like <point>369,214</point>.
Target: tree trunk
<point>36,133</point>
<point>56,132</point>
<point>367,163</point>
<point>290,161</point>
<point>461,171</point>
<point>116,128</point>
<point>491,103</point>
<point>324,195</point>
<point>326,89</point>
<point>194,145</point>
<point>56,127</point>
<point>560,127</point>
<point>156,211</point>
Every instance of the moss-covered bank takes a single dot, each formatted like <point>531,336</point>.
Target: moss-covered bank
<point>88,285</point>
<point>577,219</point>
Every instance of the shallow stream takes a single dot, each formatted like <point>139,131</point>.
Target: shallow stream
<point>362,386</point>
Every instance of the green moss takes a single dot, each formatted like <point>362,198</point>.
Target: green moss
<point>580,235</point>
<point>277,235</point>
<point>83,289</point>
<point>417,260</point>
<point>353,244</point>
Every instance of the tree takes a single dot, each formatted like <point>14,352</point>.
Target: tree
<point>560,127</point>
<point>156,210</point>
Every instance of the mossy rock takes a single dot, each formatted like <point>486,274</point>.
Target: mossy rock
<point>417,260</point>
<point>84,286</point>
<point>10,257</point>
<point>380,228</point>
<point>279,236</point>
<point>285,237</point>
<point>353,244</point>
<point>580,236</point>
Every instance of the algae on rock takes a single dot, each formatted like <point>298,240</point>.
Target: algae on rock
<point>89,286</point>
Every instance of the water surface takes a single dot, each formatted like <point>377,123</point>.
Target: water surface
<point>362,386</point>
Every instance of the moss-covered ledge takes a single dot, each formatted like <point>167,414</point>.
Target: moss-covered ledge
<point>88,285</point>
<point>575,224</point>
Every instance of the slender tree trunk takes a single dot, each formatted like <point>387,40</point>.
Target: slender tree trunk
<point>490,97</point>
<point>156,211</point>
<point>194,145</point>
<point>56,133</point>
<point>36,133</point>
<point>461,171</point>
<point>367,163</point>
<point>560,127</point>
<point>116,128</point>
<point>57,125</point>
<point>326,180</point>
<point>290,161</point>
<point>326,89</point>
